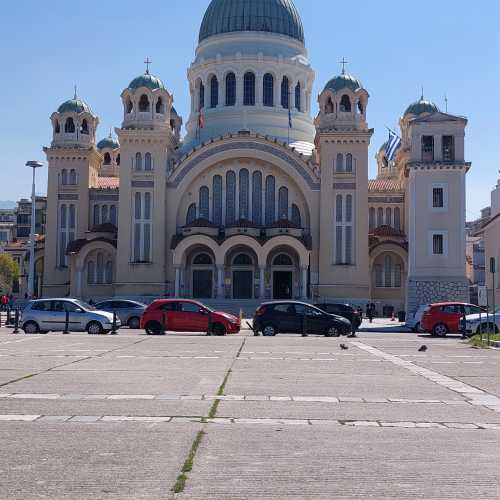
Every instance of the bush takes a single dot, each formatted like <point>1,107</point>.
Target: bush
<point>9,272</point>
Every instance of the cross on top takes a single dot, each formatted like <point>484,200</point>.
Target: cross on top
<point>147,62</point>
<point>76,94</point>
<point>343,62</point>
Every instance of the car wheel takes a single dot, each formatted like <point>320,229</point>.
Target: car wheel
<point>440,330</point>
<point>154,328</point>
<point>30,328</point>
<point>218,330</point>
<point>484,328</point>
<point>332,331</point>
<point>94,328</point>
<point>134,323</point>
<point>416,328</point>
<point>269,331</point>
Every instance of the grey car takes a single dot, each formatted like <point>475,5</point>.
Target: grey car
<point>129,311</point>
<point>45,315</point>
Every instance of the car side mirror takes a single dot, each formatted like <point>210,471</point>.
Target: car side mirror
<point>78,310</point>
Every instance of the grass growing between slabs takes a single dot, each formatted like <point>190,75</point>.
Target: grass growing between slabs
<point>482,342</point>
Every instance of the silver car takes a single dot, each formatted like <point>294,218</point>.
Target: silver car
<point>129,311</point>
<point>41,316</point>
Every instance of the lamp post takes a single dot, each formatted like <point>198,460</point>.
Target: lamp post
<point>31,277</point>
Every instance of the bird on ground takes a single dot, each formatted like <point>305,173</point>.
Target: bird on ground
<point>344,347</point>
<point>423,348</point>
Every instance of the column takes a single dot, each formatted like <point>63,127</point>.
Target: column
<point>262,282</point>
<point>177,281</point>
<point>220,282</point>
<point>304,283</point>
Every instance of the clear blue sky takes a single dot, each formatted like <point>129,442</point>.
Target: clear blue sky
<point>449,46</point>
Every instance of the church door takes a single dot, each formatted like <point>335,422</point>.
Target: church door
<point>242,284</point>
<point>202,284</point>
<point>283,285</point>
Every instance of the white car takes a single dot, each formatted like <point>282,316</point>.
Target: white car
<point>474,322</point>
<point>414,322</point>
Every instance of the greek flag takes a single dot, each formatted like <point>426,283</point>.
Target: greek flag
<point>393,145</point>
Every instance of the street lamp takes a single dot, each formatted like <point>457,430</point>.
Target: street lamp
<point>31,277</point>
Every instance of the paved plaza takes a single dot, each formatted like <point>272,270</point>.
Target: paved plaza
<point>239,417</point>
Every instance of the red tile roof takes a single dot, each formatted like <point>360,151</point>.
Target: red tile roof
<point>108,182</point>
<point>385,185</point>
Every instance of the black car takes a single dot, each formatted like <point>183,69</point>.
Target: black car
<point>272,318</point>
<point>344,310</point>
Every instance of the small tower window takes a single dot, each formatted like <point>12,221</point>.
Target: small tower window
<point>249,89</point>
<point>268,90</point>
<point>159,106</point>
<point>147,162</point>
<point>107,159</point>
<point>85,127</point>
<point>428,148</point>
<point>64,177</point>
<point>118,159</point>
<point>201,97</point>
<point>57,127</point>
<point>191,214</point>
<point>340,163</point>
<point>69,126</point>
<point>298,91</point>
<point>129,105</point>
<point>72,177</point>
<point>345,104</point>
<point>138,161</point>
<point>144,103</point>
<point>448,148</point>
<point>348,162</point>
<point>361,107</point>
<point>285,93</point>
<point>172,125</point>
<point>329,106</point>
<point>214,92</point>
<point>230,89</point>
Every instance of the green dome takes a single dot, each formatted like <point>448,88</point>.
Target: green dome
<point>421,106</point>
<point>109,142</point>
<point>272,16</point>
<point>74,105</point>
<point>149,81</point>
<point>344,81</point>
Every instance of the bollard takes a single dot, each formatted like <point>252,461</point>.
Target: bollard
<point>304,324</point>
<point>209,325</point>
<point>9,317</point>
<point>66,324</point>
<point>113,328</point>
<point>16,322</point>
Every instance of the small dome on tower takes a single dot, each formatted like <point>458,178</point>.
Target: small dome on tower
<point>344,81</point>
<point>108,143</point>
<point>147,80</point>
<point>75,105</point>
<point>421,106</point>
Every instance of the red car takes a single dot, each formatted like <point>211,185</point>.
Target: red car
<point>441,319</point>
<point>178,315</point>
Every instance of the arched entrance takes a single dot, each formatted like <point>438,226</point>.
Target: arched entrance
<point>242,270</point>
<point>202,268</point>
<point>282,272</point>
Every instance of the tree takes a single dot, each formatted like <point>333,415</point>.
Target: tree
<point>9,272</point>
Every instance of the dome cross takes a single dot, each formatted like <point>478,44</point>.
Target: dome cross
<point>147,62</point>
<point>343,62</point>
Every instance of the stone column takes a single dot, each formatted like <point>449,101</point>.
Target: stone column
<point>262,282</point>
<point>177,282</point>
<point>304,283</point>
<point>220,282</point>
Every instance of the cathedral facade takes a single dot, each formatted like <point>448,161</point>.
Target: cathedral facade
<point>257,200</point>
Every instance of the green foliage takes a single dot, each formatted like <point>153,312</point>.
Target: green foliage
<point>9,272</point>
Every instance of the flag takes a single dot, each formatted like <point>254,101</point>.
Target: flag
<point>393,145</point>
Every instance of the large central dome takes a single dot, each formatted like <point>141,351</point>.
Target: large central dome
<point>271,16</point>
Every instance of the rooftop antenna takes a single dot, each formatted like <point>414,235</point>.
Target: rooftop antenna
<point>422,95</point>
<point>446,102</point>
<point>343,62</point>
<point>147,62</point>
<point>76,95</point>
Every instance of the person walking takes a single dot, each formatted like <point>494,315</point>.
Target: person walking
<point>370,312</point>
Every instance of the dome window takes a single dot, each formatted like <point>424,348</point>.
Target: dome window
<point>268,90</point>
<point>249,89</point>
<point>298,91</point>
<point>230,89</point>
<point>144,103</point>
<point>329,106</point>
<point>118,159</point>
<point>84,129</point>
<point>345,104</point>
<point>201,97</point>
<point>159,106</point>
<point>285,92</point>
<point>57,127</point>
<point>129,105</point>
<point>214,92</point>
<point>69,126</point>
<point>107,159</point>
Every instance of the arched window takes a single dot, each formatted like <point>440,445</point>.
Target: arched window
<point>137,206</point>
<point>118,159</point>
<point>90,272</point>
<point>69,126</point>
<point>340,163</point>
<point>397,276</point>
<point>147,206</point>
<point>388,217</point>
<point>64,177</point>
<point>230,198</point>
<point>379,276</point>
<point>204,201</point>
<point>270,200</point>
<point>244,194</point>
<point>329,106</point>
<point>339,230</point>
<point>109,272</point>
<point>249,89</point>
<point>230,89</point>
<point>338,208</point>
<point>217,200</point>
<point>380,217</point>
<point>191,214</point>
<point>107,159</point>
<point>144,103</point>
<point>345,104</point>
<point>214,92</point>
<point>296,217</point>
<point>100,269</point>
<point>104,214</point>
<point>201,97</point>
<point>283,203</point>
<point>129,105</point>
<point>243,259</point>
<point>257,198</point>
<point>282,260</point>
<point>72,221</point>
<point>138,161</point>
<point>268,90</point>
<point>348,208</point>
<point>72,177</point>
<point>147,162</point>
<point>112,215</point>
<point>57,127</point>
<point>397,218</point>
<point>372,219</point>
<point>387,271</point>
<point>203,259</point>
<point>348,162</point>
<point>96,215</point>
<point>159,106</point>
<point>298,97</point>
<point>285,92</point>
<point>84,129</point>
<point>361,109</point>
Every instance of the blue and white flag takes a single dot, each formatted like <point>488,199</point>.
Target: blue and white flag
<point>393,145</point>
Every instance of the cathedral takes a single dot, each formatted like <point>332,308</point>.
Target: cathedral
<point>256,199</point>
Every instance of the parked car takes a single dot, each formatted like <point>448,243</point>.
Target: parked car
<point>179,315</point>
<point>344,310</point>
<point>42,316</point>
<point>272,318</point>
<point>477,323</point>
<point>129,311</point>
<point>414,321</point>
<point>441,319</point>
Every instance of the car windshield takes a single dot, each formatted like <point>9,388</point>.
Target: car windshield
<point>85,306</point>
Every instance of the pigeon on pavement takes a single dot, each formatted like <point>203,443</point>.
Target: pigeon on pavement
<point>423,348</point>
<point>344,347</point>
